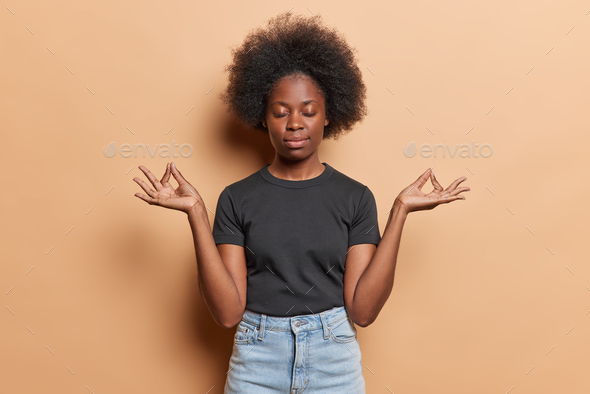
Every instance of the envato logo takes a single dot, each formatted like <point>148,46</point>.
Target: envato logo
<point>465,150</point>
<point>163,150</point>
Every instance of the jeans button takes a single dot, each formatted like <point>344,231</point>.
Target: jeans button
<point>297,323</point>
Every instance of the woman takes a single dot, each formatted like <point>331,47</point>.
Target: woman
<point>274,264</point>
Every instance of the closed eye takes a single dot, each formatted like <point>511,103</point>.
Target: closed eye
<point>281,115</point>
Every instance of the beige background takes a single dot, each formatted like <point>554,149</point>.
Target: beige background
<point>491,294</point>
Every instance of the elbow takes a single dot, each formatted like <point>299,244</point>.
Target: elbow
<point>361,324</point>
<point>365,322</point>
<point>226,325</point>
<point>229,321</point>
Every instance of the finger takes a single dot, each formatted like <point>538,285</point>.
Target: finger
<point>448,199</point>
<point>145,187</point>
<point>166,176</point>
<point>145,198</point>
<point>446,193</point>
<point>177,175</point>
<point>456,183</point>
<point>422,179</point>
<point>435,183</point>
<point>152,178</point>
<point>459,190</point>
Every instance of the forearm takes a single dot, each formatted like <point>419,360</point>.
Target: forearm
<point>375,284</point>
<point>216,285</point>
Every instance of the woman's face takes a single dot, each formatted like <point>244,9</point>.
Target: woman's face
<point>295,112</point>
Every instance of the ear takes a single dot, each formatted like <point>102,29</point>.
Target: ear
<point>326,122</point>
<point>264,123</point>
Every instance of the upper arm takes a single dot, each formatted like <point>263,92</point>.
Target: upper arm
<point>364,225</point>
<point>363,237</point>
<point>234,259</point>
<point>357,260</point>
<point>229,238</point>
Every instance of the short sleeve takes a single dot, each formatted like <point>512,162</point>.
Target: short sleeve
<point>226,225</point>
<point>365,227</point>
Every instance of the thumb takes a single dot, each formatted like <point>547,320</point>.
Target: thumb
<point>435,183</point>
<point>177,175</point>
<point>183,182</point>
<point>422,179</point>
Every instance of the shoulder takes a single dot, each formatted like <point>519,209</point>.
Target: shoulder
<point>348,184</point>
<point>239,188</point>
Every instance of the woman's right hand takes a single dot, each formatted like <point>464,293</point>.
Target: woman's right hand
<point>183,198</point>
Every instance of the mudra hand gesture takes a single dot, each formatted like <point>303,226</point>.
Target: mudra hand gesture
<point>183,198</point>
<point>413,199</point>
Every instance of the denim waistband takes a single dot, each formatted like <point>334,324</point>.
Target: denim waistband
<point>298,323</point>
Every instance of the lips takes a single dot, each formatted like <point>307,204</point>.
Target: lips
<point>295,139</point>
<point>296,142</point>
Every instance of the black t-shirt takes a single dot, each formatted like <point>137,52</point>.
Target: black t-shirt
<point>295,236</point>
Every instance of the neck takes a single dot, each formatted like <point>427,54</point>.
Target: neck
<point>296,170</point>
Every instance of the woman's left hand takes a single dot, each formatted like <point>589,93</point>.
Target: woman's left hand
<point>413,199</point>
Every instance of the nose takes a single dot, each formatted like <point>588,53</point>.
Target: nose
<point>294,122</point>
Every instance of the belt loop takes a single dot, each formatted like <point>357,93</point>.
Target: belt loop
<point>262,324</point>
<point>324,325</point>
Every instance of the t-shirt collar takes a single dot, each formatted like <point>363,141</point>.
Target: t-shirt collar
<point>265,173</point>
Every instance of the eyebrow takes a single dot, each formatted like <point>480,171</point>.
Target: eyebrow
<point>286,105</point>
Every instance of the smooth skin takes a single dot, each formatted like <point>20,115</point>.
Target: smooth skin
<point>295,109</point>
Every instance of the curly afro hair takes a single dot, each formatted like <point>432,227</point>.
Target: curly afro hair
<point>295,45</point>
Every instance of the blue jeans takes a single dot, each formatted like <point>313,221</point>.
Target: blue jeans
<point>316,354</point>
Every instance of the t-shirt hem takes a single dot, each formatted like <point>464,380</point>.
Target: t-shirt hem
<point>363,239</point>
<point>228,239</point>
